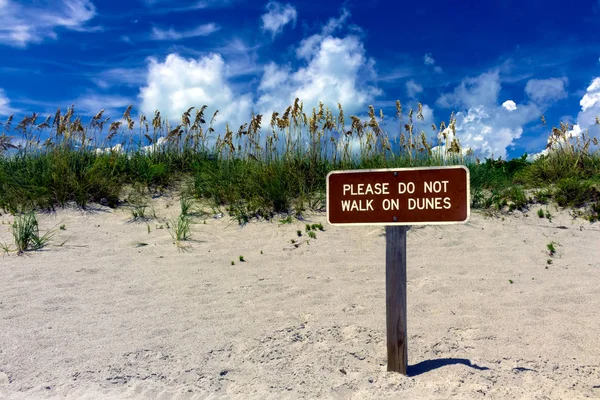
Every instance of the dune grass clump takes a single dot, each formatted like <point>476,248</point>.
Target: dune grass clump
<point>180,229</point>
<point>26,233</point>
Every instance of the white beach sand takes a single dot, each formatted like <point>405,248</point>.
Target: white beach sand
<point>100,318</point>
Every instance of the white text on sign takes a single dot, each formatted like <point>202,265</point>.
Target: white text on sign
<point>362,189</point>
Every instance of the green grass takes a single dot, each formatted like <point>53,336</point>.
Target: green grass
<point>551,248</point>
<point>26,233</point>
<point>267,168</point>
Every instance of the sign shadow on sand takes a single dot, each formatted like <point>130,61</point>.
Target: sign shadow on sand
<point>430,365</point>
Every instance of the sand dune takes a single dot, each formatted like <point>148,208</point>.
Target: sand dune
<point>104,316</point>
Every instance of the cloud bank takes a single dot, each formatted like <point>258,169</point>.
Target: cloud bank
<point>330,68</point>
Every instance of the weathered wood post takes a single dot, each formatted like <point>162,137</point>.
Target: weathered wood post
<point>395,298</point>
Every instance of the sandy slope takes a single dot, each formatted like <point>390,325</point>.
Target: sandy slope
<point>99,317</point>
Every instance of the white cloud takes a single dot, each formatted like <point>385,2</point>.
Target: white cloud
<point>331,69</point>
<point>132,77</point>
<point>169,6</point>
<point>277,17</point>
<point>171,34</point>
<point>5,108</point>
<point>335,71</point>
<point>413,88</point>
<point>473,92</point>
<point>544,91</point>
<point>590,108</point>
<point>482,124</point>
<point>22,24</point>
<point>178,83</point>
<point>309,46</point>
<point>429,60</point>
<point>91,104</point>
<point>332,75</point>
<point>509,105</point>
<point>490,131</point>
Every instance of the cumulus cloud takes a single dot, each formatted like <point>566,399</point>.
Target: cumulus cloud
<point>590,108</point>
<point>509,105</point>
<point>179,83</point>
<point>482,124</point>
<point>171,34</point>
<point>5,108</point>
<point>335,71</point>
<point>330,68</point>
<point>490,131</point>
<point>278,15</point>
<point>546,91</point>
<point>22,24</point>
<point>413,88</point>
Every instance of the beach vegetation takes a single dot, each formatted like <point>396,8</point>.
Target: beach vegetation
<point>271,165</point>
<point>26,233</point>
<point>551,248</point>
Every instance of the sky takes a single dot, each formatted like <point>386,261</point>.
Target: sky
<point>497,64</point>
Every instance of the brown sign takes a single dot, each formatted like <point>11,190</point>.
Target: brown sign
<point>402,196</point>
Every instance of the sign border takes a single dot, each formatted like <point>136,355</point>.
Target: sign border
<point>400,223</point>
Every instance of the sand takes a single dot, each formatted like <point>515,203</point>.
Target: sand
<point>97,315</point>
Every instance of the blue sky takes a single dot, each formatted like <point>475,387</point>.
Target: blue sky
<point>498,64</point>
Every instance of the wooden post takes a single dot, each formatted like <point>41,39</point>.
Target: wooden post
<point>395,294</point>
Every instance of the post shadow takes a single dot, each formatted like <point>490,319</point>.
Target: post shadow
<point>430,365</point>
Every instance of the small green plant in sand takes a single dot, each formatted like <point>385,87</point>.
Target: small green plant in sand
<point>542,196</point>
<point>593,213</point>
<point>286,220</point>
<point>138,207</point>
<point>540,213</point>
<point>314,227</point>
<point>551,248</point>
<point>62,227</point>
<point>511,281</point>
<point>26,233</point>
<point>312,235</point>
<point>548,216</point>
<point>186,205</point>
<point>232,262</point>
<point>180,229</point>
<point>242,259</point>
<point>299,232</point>
<point>5,248</point>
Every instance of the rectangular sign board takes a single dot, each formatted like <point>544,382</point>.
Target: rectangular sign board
<point>401,196</point>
